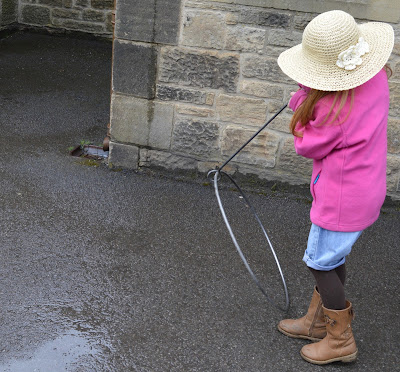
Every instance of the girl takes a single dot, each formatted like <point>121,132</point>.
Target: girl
<point>339,121</point>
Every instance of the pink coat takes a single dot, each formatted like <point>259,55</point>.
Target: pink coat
<point>348,182</point>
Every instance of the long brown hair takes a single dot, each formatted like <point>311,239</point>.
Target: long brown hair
<point>304,112</point>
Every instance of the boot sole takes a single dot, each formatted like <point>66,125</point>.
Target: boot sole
<point>345,359</point>
<point>298,336</point>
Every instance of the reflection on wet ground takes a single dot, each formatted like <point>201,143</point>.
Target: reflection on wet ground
<point>59,354</point>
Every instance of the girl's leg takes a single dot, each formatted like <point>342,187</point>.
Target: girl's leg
<point>341,271</point>
<point>330,288</point>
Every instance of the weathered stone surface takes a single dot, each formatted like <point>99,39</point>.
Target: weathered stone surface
<point>393,175</point>
<point>35,15</point>
<point>263,68</point>
<point>261,151</point>
<point>82,3</point>
<point>134,70</point>
<point>8,11</point>
<point>195,111</point>
<point>274,19</point>
<point>394,136</point>
<point>103,4</point>
<point>68,3</point>
<point>168,93</point>
<point>261,89</point>
<point>291,165</point>
<point>196,137</point>
<point>130,119</point>
<point>301,20</point>
<point>204,69</point>
<point>78,25</point>
<point>66,13</point>
<point>51,2</point>
<point>154,158</point>
<point>281,124</point>
<point>241,110</point>
<point>161,122</point>
<point>126,156</point>
<point>204,29</point>
<point>389,11</point>
<point>264,18</point>
<point>148,20</point>
<point>394,98</point>
<point>245,39</point>
<point>141,122</point>
<point>284,38</point>
<point>93,15</point>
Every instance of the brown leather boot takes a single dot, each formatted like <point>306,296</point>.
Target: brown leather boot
<point>339,344</point>
<point>311,326</point>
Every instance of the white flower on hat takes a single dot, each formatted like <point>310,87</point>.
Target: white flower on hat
<point>351,57</point>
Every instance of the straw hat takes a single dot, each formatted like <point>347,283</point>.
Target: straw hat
<point>338,54</point>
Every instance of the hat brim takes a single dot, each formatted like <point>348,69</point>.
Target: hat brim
<point>329,77</point>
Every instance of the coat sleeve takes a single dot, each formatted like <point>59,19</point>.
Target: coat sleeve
<point>319,138</point>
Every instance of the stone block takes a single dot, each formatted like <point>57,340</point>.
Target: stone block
<point>72,24</point>
<point>245,39</point>
<point>261,151</point>
<point>35,15</point>
<point>394,136</point>
<point>166,160</point>
<point>274,19</point>
<point>51,2</point>
<point>68,3</point>
<point>82,3</point>
<point>103,4</point>
<point>161,122</point>
<point>195,111</point>
<point>168,93</point>
<point>264,68</point>
<point>281,124</point>
<point>291,165</point>
<point>148,20</point>
<point>130,119</point>
<point>141,122</point>
<point>93,15</point>
<point>66,13</point>
<point>261,89</point>
<point>393,175</point>
<point>204,69</point>
<point>195,137</point>
<point>134,70</point>
<point>284,38</point>
<point>256,16</point>
<point>204,29</point>
<point>126,156</point>
<point>8,11</point>
<point>301,20</point>
<point>241,110</point>
<point>109,24</point>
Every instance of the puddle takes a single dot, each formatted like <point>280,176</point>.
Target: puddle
<point>54,355</point>
<point>90,152</point>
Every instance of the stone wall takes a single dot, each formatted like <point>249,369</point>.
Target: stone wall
<point>91,16</point>
<point>8,12</point>
<point>194,79</point>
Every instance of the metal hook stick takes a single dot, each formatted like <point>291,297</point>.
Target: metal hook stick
<point>251,139</point>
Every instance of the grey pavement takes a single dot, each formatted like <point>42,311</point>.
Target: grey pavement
<point>111,270</point>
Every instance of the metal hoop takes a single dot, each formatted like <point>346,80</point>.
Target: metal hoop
<point>217,176</point>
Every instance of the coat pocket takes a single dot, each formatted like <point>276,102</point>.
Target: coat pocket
<point>314,185</point>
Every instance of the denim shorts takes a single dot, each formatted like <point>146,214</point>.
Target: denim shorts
<point>327,249</point>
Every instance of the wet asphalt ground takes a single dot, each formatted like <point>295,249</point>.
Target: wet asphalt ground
<point>113,270</point>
